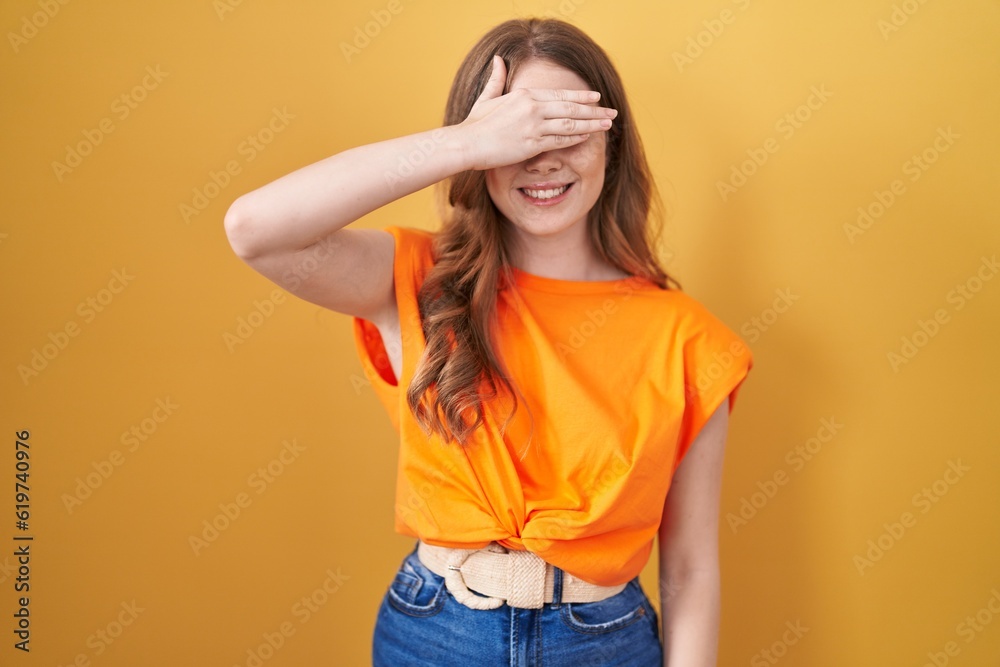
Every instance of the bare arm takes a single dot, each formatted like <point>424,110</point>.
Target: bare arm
<point>292,230</point>
<point>689,551</point>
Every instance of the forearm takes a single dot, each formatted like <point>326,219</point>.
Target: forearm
<point>310,203</point>
<point>690,604</point>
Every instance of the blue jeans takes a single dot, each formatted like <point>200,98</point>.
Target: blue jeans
<point>421,623</point>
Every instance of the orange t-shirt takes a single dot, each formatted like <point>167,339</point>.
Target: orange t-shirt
<point>619,376</point>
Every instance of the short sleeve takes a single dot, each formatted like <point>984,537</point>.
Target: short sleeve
<point>377,369</point>
<point>411,259</point>
<point>716,362</point>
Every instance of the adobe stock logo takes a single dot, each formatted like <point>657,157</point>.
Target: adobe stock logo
<point>43,355</point>
<point>914,167</point>
<point>248,326</point>
<point>224,7</point>
<point>303,610</point>
<point>424,147</point>
<point>253,145</point>
<point>786,126</point>
<point>926,330</point>
<point>900,16</point>
<point>565,9</point>
<point>779,648</point>
<point>231,510</point>
<point>698,43</point>
<point>968,628</point>
<point>756,326</point>
<point>924,500</point>
<point>797,457</point>
<point>103,637</point>
<point>363,35</point>
<point>121,107</point>
<point>31,25</point>
<point>101,470</point>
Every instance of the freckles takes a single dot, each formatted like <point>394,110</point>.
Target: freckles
<point>593,148</point>
<point>499,177</point>
<point>495,183</point>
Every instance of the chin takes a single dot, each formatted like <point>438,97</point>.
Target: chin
<point>549,227</point>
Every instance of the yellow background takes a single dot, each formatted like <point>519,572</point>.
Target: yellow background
<point>892,74</point>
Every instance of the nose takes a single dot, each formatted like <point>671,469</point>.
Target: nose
<point>545,162</point>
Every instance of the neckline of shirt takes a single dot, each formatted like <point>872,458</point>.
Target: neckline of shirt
<point>563,286</point>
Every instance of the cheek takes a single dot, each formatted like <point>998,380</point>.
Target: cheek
<point>497,182</point>
<point>591,157</point>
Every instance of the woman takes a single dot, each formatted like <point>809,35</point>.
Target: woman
<point>546,380</point>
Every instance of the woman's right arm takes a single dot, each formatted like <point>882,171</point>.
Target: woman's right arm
<point>292,230</point>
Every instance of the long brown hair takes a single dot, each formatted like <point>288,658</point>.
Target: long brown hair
<point>459,370</point>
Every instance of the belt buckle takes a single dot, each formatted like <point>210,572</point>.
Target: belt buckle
<point>525,580</point>
<point>522,577</point>
<point>455,583</point>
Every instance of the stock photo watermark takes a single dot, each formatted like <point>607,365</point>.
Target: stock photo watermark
<point>23,540</point>
<point>101,471</point>
<point>923,500</point>
<point>968,629</point>
<point>303,610</point>
<point>752,330</point>
<point>103,637</point>
<point>365,34</point>
<point>424,148</point>
<point>899,16</point>
<point>41,357</point>
<point>595,319</point>
<point>36,21</point>
<point>797,458</point>
<point>7,569</point>
<point>121,108</point>
<point>914,167</point>
<point>927,329</point>
<point>230,511</point>
<point>248,149</point>
<point>786,126</point>
<point>697,44</point>
<point>565,9</point>
<point>779,648</point>
<point>759,324</point>
<point>247,325</point>
<point>225,7</point>
<point>416,500</point>
<point>380,356</point>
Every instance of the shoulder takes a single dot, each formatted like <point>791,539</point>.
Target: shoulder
<point>680,307</point>
<point>414,246</point>
<point>411,236</point>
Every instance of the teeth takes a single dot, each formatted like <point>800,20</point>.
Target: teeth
<point>545,194</point>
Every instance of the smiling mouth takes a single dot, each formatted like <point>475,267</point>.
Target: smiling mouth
<point>544,195</point>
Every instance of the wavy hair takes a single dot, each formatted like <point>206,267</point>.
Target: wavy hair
<point>459,371</point>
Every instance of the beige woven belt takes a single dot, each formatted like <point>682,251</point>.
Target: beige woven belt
<point>519,578</point>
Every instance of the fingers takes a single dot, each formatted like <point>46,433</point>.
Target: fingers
<point>567,112</point>
<point>564,95</point>
<point>564,110</point>
<point>574,126</point>
<point>498,77</point>
<point>564,140</point>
